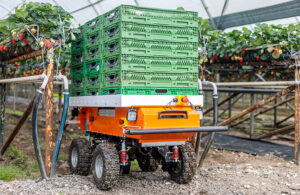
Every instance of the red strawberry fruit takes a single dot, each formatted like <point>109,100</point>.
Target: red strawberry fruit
<point>1,48</point>
<point>25,41</point>
<point>241,59</point>
<point>21,36</point>
<point>257,58</point>
<point>243,51</point>
<point>16,53</point>
<point>33,31</point>
<point>27,50</point>
<point>13,41</point>
<point>275,51</point>
<point>5,48</point>
<point>227,57</point>
<point>47,43</point>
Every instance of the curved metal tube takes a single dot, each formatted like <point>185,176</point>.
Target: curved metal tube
<point>35,137</point>
<point>215,121</point>
<point>63,122</point>
<point>22,79</point>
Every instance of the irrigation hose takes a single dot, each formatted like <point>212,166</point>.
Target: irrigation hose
<point>61,129</point>
<point>35,133</point>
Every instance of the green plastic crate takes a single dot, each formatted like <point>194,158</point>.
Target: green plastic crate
<point>143,79</point>
<point>79,32</point>
<point>150,32</point>
<point>77,58</point>
<point>150,48</point>
<point>93,52</point>
<point>78,71</point>
<point>94,25</point>
<point>151,16</point>
<point>142,64</point>
<point>149,91</point>
<point>93,81</point>
<point>93,67</point>
<point>92,39</point>
<point>78,83</point>
<point>93,92</point>
<point>76,93</point>
<point>77,45</point>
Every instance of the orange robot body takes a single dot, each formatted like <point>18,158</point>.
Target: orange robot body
<point>113,121</point>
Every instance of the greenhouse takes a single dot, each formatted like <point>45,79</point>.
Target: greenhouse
<point>149,97</point>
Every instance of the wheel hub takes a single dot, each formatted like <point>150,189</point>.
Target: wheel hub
<point>99,166</point>
<point>74,157</point>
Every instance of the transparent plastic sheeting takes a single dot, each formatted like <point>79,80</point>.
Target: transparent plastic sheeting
<point>84,10</point>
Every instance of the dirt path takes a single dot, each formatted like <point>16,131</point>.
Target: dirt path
<point>223,173</point>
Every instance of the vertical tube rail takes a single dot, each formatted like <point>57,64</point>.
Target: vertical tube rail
<point>215,121</point>
<point>252,115</point>
<point>35,136</point>
<point>198,138</point>
<point>2,108</point>
<point>62,123</point>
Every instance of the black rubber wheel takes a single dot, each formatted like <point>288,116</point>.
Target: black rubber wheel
<point>80,156</point>
<point>125,169</point>
<point>147,163</point>
<point>183,171</point>
<point>106,166</point>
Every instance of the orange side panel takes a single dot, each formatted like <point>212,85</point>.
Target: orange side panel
<point>147,118</point>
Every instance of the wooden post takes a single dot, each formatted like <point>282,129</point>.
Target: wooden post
<point>258,105</point>
<point>264,111</point>
<point>297,111</point>
<point>18,127</point>
<point>285,119</point>
<point>221,103</point>
<point>281,130</point>
<point>49,112</point>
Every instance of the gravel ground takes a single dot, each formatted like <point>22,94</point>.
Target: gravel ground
<point>223,173</point>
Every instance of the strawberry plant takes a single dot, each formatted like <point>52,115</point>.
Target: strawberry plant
<point>19,32</point>
<point>263,43</point>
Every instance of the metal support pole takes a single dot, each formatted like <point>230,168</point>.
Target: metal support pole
<point>232,104</point>
<point>49,112</point>
<point>15,96</point>
<point>251,115</point>
<point>3,106</point>
<point>59,100</point>
<point>221,103</point>
<point>275,113</point>
<point>229,106</point>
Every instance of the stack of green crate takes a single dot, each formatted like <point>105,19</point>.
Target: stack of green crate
<point>139,51</point>
<point>77,64</point>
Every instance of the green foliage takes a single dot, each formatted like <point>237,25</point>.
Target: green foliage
<point>63,157</point>
<point>49,18</point>
<point>9,173</point>
<point>180,8</point>
<point>134,165</point>
<point>15,155</point>
<point>73,136</point>
<point>12,112</point>
<point>220,43</point>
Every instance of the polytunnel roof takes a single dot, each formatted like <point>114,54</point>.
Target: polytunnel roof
<point>223,13</point>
